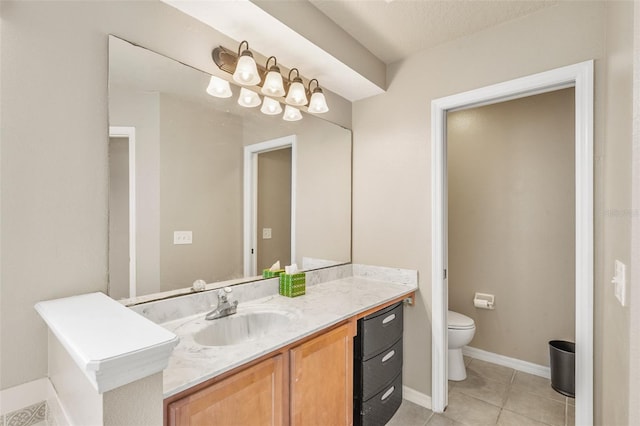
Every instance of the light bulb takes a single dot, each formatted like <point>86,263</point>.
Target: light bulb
<point>246,72</point>
<point>270,106</point>
<point>273,85</point>
<point>296,95</point>
<point>248,98</point>
<point>291,114</point>
<point>219,88</point>
<point>318,103</point>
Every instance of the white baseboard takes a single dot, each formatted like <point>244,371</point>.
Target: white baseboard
<point>30,393</point>
<point>416,397</point>
<point>516,364</point>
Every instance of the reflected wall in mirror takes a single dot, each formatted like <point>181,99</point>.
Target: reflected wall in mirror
<point>178,162</point>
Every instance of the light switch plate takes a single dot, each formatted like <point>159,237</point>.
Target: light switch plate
<point>182,237</point>
<point>620,282</point>
<point>266,233</point>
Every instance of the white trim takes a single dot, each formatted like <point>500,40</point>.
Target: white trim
<point>516,364</point>
<point>416,397</point>
<point>250,221</point>
<point>130,134</point>
<point>579,76</point>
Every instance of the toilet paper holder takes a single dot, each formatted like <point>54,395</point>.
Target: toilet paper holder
<point>484,301</point>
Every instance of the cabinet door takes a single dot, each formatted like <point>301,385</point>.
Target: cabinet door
<point>322,379</point>
<point>251,397</point>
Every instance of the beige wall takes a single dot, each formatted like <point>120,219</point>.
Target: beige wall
<point>512,222</point>
<point>391,200</point>
<point>323,187</point>
<point>54,166</point>
<point>200,191</point>
<point>613,190</point>
<point>119,217</point>
<point>142,111</point>
<point>274,207</point>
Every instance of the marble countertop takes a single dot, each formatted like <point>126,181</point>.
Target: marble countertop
<point>322,306</point>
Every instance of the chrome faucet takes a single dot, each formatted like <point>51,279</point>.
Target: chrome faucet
<point>225,306</point>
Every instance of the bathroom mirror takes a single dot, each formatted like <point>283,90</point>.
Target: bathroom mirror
<point>202,188</point>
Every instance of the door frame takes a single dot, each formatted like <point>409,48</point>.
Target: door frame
<point>579,76</point>
<point>250,234</point>
<point>129,132</point>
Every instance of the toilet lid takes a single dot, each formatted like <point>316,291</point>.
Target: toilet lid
<point>458,321</point>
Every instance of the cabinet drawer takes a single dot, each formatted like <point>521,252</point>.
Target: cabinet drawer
<point>377,331</point>
<point>376,372</point>
<point>382,406</point>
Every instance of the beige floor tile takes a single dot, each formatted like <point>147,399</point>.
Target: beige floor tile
<point>440,420</point>
<point>487,390</point>
<point>571,401</point>
<point>410,414</point>
<point>495,372</point>
<point>535,384</point>
<point>509,418</point>
<point>467,359</point>
<point>470,411</point>
<point>536,407</point>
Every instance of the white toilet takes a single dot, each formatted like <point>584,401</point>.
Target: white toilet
<point>461,329</point>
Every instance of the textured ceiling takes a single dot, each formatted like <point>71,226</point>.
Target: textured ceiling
<point>393,30</point>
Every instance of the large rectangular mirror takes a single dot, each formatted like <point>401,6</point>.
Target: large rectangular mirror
<point>202,188</point>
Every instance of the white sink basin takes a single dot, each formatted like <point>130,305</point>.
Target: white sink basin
<point>248,324</point>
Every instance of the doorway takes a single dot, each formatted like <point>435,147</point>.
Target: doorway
<point>264,235</point>
<point>579,76</point>
<point>122,212</point>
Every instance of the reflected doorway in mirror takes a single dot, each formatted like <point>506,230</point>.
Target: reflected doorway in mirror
<point>256,207</point>
<point>122,211</point>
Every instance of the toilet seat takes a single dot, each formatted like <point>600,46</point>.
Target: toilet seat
<point>457,321</point>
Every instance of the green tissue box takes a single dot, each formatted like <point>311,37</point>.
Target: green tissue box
<point>292,285</point>
<point>268,273</point>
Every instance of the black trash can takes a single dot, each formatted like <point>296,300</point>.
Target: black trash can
<point>563,367</point>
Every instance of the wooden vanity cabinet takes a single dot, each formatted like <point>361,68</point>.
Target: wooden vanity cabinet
<point>253,396</point>
<point>321,384</point>
<point>308,383</point>
<point>321,388</point>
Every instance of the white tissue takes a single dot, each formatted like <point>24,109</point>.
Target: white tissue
<point>291,269</point>
<point>275,266</point>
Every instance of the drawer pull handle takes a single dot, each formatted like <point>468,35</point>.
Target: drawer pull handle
<point>388,356</point>
<point>388,393</point>
<point>389,318</point>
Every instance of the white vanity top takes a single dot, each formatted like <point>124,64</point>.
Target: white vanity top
<point>323,305</point>
<point>111,344</point>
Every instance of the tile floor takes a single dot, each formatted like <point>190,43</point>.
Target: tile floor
<point>494,395</point>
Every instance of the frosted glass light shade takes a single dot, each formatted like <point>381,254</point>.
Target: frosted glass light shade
<point>273,85</point>
<point>246,72</point>
<point>270,106</point>
<point>318,104</point>
<point>291,114</point>
<point>296,95</point>
<point>248,98</point>
<point>219,88</point>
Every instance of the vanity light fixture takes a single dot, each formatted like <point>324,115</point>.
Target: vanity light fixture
<point>296,96</point>
<point>246,72</point>
<point>219,88</point>
<point>273,85</point>
<point>291,114</point>
<point>271,106</point>
<point>317,103</point>
<point>248,98</point>
<point>275,88</point>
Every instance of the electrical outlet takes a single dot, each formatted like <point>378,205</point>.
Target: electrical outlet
<point>266,233</point>
<point>182,237</point>
<point>620,282</point>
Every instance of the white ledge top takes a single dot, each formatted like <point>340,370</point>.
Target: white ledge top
<point>111,344</point>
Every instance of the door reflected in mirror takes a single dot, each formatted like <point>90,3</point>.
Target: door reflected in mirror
<point>197,191</point>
